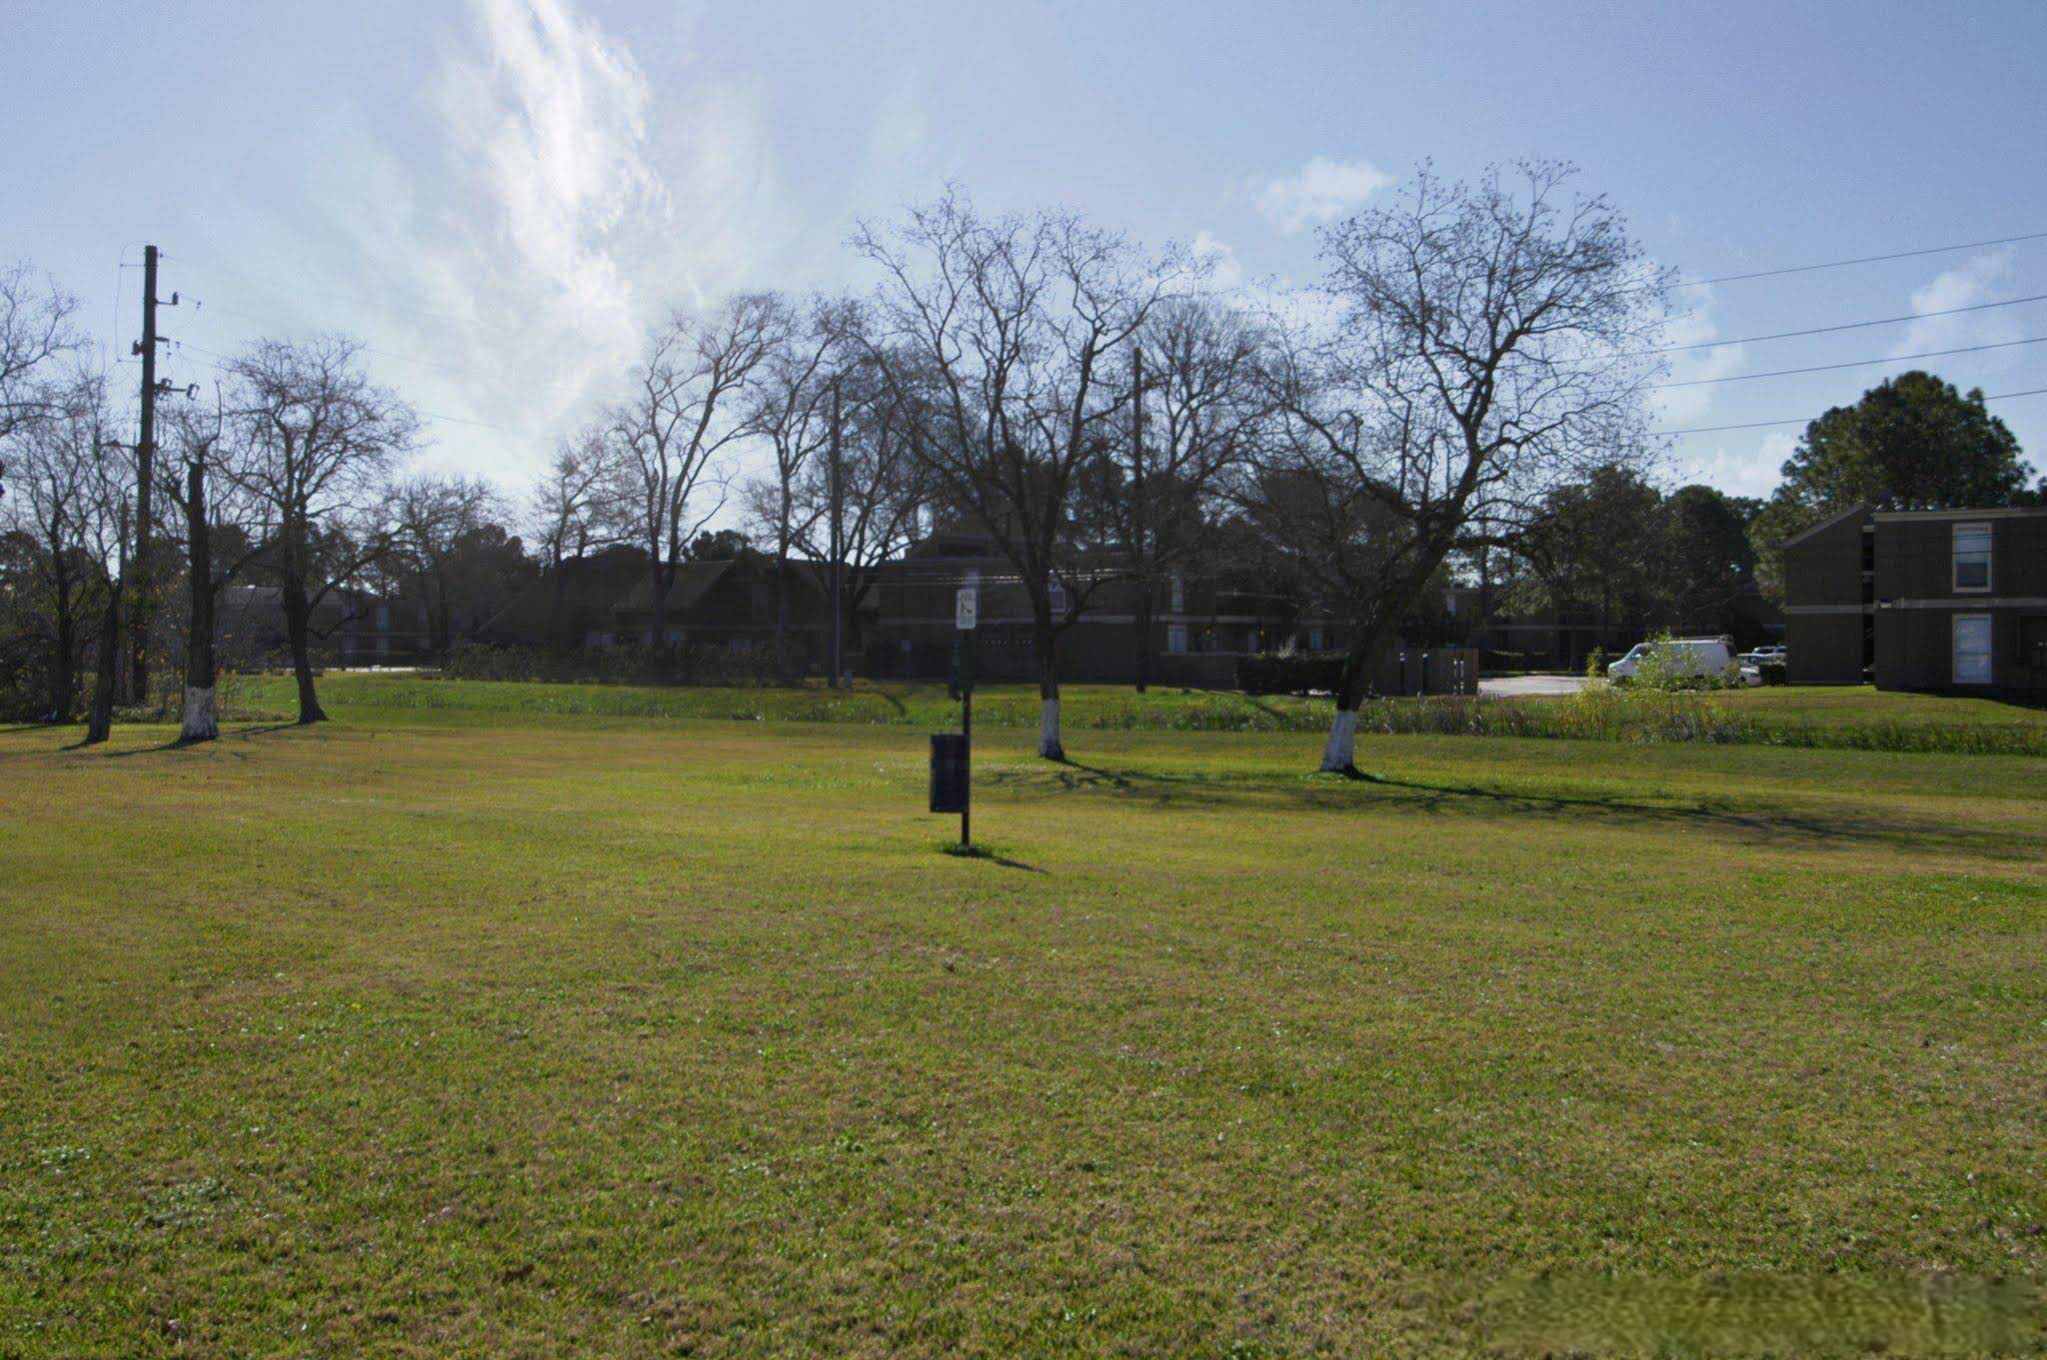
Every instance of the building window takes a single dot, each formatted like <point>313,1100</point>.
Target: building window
<point>383,617</point>
<point>1315,640</point>
<point>1179,594</point>
<point>1972,557</point>
<point>1057,590</point>
<point>1972,649</point>
<point>1176,638</point>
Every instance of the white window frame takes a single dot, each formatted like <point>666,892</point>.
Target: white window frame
<point>1955,559</point>
<point>1955,648</point>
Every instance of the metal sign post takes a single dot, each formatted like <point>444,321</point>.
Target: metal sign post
<point>952,753</point>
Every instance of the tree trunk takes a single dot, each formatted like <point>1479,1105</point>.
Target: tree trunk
<point>63,665</point>
<point>1339,754</point>
<point>659,577</point>
<point>1143,658</point>
<point>554,612</point>
<point>782,667</point>
<point>200,723</point>
<point>298,613</point>
<point>100,723</point>
<point>1047,647</point>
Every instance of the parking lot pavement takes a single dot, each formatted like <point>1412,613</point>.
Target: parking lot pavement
<point>1524,686</point>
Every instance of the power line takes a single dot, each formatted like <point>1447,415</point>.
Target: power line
<point>1861,259</point>
<point>225,360</point>
<point>1858,363</point>
<point>1806,420</point>
<point>296,288</point>
<point>1829,330</point>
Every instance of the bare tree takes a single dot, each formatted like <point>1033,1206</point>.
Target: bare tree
<point>1002,333</point>
<point>37,332</point>
<point>318,444</point>
<point>66,473</point>
<point>1488,346</point>
<point>1200,408</point>
<point>203,444</point>
<point>432,519</point>
<point>857,502</point>
<point>790,410</point>
<point>575,510</point>
<point>679,420</point>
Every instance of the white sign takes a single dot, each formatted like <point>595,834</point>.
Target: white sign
<point>966,606</point>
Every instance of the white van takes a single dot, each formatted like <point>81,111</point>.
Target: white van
<point>1684,656</point>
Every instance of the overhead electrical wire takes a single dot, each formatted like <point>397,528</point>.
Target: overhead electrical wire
<point>1855,363</point>
<point>1806,420</point>
<point>1830,330</point>
<point>1860,259</point>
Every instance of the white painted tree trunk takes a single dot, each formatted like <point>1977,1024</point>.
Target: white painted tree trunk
<point>1048,731</point>
<point>1341,752</point>
<point>200,723</point>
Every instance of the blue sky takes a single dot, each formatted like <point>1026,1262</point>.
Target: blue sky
<point>496,196</point>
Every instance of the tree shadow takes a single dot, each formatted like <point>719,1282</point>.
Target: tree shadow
<point>1201,788</point>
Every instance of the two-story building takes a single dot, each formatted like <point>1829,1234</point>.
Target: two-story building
<point>1951,600</point>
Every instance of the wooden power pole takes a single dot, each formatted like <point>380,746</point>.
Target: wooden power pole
<point>141,594</point>
<point>1137,518</point>
<point>837,548</point>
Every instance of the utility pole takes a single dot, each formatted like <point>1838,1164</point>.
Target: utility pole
<point>142,600</point>
<point>1137,526</point>
<point>837,547</point>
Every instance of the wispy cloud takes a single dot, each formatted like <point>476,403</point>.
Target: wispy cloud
<point>1697,325</point>
<point>1981,278</point>
<point>547,124</point>
<point>516,261</point>
<point>1320,191</point>
<point>1746,465</point>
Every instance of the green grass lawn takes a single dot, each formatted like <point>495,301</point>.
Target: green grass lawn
<point>464,1031</point>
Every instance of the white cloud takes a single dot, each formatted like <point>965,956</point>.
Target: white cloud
<point>568,202</point>
<point>1746,465</point>
<point>1225,270</point>
<point>547,126</point>
<point>1978,279</point>
<point>1679,406</point>
<point>1320,191</point>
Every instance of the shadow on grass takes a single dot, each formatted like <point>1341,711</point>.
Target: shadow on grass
<point>982,852</point>
<point>1328,793</point>
<point>179,744</point>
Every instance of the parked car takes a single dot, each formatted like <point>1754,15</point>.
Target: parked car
<point>1699,657</point>
<point>1772,652</point>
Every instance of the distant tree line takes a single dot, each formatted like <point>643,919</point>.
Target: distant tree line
<point>1462,397</point>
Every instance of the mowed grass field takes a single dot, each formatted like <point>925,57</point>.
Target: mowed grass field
<point>493,1035</point>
